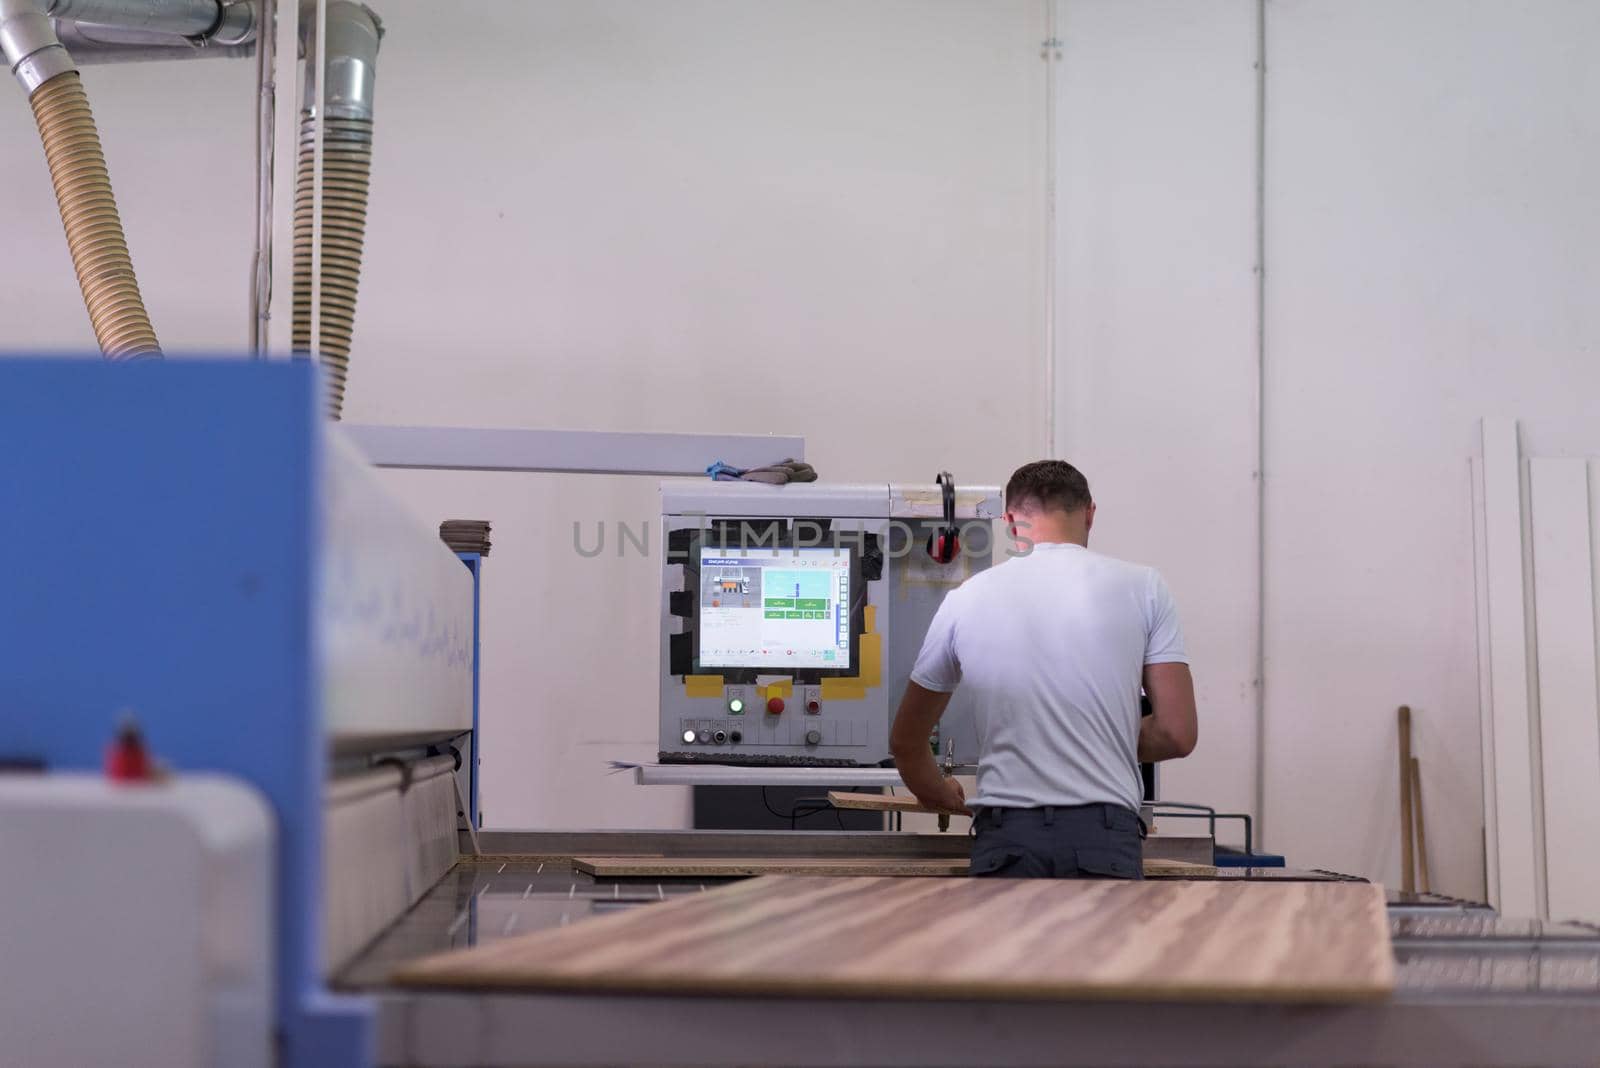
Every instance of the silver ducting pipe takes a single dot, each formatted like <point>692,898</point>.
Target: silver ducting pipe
<point>349,57</point>
<point>32,50</point>
<point>266,161</point>
<point>91,45</point>
<point>83,188</point>
<point>125,31</point>
<point>186,18</point>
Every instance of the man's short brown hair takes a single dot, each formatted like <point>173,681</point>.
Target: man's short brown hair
<point>1049,486</point>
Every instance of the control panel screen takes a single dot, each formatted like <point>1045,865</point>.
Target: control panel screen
<point>765,611</point>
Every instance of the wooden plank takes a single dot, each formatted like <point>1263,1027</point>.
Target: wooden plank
<point>1021,939</point>
<point>876,802</point>
<point>735,867</point>
<point>724,867</point>
<point>1408,867</point>
<point>1520,867</point>
<point>1569,726</point>
<point>1426,881</point>
<point>1480,585</point>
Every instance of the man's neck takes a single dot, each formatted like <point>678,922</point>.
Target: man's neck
<point>1052,531</point>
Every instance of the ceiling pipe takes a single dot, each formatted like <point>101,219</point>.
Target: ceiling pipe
<point>120,31</point>
<point>227,22</point>
<point>33,52</point>
<point>98,45</point>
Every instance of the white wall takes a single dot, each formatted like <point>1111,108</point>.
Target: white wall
<point>822,219</point>
<point>1156,331</point>
<point>1430,219</point>
<point>1432,215</point>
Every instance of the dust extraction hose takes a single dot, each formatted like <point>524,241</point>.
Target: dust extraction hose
<point>89,214</point>
<point>349,60</point>
<point>346,174</point>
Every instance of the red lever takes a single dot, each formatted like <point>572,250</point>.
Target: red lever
<point>775,705</point>
<point>127,759</point>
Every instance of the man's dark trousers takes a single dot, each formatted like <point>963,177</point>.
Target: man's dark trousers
<point>1077,842</point>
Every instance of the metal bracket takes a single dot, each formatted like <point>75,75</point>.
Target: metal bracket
<point>461,806</point>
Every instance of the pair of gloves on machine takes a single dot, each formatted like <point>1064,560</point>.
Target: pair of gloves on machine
<point>774,474</point>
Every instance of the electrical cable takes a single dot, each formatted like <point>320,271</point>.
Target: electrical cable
<point>801,808</point>
<point>775,813</point>
<point>816,806</point>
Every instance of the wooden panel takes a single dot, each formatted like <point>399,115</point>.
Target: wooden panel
<point>1569,726</point>
<point>876,802</point>
<point>961,938</point>
<point>723,867</point>
<point>1480,580</point>
<point>1520,866</point>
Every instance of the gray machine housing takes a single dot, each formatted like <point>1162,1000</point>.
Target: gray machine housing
<point>843,721</point>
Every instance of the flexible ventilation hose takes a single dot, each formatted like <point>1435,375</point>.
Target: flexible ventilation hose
<point>346,175</point>
<point>89,214</point>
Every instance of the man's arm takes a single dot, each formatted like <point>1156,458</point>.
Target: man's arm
<point>919,713</point>
<point>1173,727</point>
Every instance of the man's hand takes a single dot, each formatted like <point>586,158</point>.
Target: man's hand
<point>948,797</point>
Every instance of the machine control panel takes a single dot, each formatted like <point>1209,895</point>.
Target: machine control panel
<point>730,732</point>
<point>791,615</point>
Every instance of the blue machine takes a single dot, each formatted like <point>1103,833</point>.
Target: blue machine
<point>188,540</point>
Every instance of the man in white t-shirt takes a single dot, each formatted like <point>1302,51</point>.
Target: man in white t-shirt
<point>1055,644</point>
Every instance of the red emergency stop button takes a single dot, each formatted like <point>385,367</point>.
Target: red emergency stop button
<point>774,705</point>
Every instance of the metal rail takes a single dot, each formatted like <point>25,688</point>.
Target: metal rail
<point>570,451</point>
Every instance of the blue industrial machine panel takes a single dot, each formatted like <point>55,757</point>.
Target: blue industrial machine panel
<point>159,526</point>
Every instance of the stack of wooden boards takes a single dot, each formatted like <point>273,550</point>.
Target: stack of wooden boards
<point>961,938</point>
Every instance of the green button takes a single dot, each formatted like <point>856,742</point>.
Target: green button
<point>736,707</point>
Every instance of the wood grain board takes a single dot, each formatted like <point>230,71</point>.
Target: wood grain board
<point>876,802</point>
<point>724,867</point>
<point>1024,939</point>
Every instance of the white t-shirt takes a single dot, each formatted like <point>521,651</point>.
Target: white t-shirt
<point>1053,646</point>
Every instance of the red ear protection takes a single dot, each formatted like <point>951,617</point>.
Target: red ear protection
<point>945,544</point>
